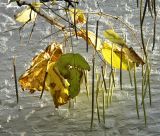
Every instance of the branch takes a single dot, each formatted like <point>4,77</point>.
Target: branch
<point>42,14</point>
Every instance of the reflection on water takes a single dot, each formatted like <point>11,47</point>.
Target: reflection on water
<point>38,117</point>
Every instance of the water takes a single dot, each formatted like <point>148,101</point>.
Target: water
<point>39,117</point>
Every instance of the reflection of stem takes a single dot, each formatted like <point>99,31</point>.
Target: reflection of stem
<point>112,65</point>
<point>86,83</point>
<point>135,84</point>
<point>112,87</point>
<point>92,116</point>
<point>103,106</point>
<point>147,83</point>
<point>129,71</point>
<point>143,103</point>
<point>93,68</point>
<point>104,82</point>
<point>149,87</point>
<point>97,92</point>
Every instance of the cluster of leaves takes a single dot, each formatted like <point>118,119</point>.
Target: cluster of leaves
<point>58,73</point>
<point>61,74</point>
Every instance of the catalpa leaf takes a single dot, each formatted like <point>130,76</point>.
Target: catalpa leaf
<point>113,56</point>
<point>114,37</point>
<point>28,14</point>
<point>70,60</point>
<point>56,85</point>
<point>74,81</point>
<point>33,78</point>
<point>77,15</point>
<point>71,67</point>
<point>91,39</point>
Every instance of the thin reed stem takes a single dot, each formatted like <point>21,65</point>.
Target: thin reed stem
<point>15,79</point>
<point>136,95</point>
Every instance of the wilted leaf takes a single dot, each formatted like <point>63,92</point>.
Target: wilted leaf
<point>78,14</point>
<point>91,38</point>
<point>116,56</point>
<point>57,85</point>
<point>33,78</point>
<point>133,56</point>
<point>114,37</point>
<point>28,14</point>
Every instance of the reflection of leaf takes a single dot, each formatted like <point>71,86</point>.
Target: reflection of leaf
<point>27,14</point>
<point>79,16</point>
<point>74,80</point>
<point>33,78</point>
<point>116,56</point>
<point>71,67</point>
<point>91,38</point>
<point>56,85</point>
<point>114,37</point>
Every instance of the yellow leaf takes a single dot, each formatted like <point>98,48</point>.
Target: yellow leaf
<point>33,78</point>
<point>91,38</point>
<point>129,53</point>
<point>57,85</point>
<point>116,56</point>
<point>27,14</point>
<point>78,14</point>
<point>114,37</point>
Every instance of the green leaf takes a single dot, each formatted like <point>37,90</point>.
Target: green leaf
<point>71,67</point>
<point>69,60</point>
<point>114,37</point>
<point>74,81</point>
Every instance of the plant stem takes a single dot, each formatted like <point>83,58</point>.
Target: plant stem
<point>15,79</point>
<point>136,97</point>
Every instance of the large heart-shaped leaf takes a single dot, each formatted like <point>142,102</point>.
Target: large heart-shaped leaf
<point>71,67</point>
<point>74,81</point>
<point>69,60</point>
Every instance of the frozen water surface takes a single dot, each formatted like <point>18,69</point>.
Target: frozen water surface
<point>39,117</point>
